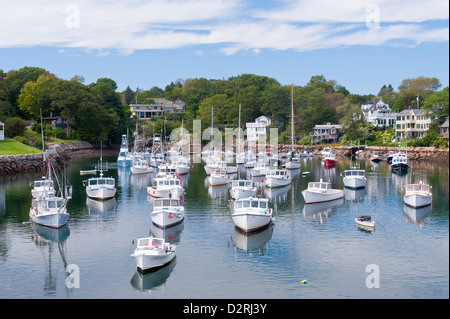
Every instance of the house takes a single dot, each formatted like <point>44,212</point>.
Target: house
<point>159,107</point>
<point>328,133</point>
<point>378,113</point>
<point>59,121</point>
<point>413,123</point>
<point>257,130</point>
<point>443,129</point>
<point>2,131</point>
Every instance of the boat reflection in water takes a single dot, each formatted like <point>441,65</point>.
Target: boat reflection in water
<point>277,194</point>
<point>101,207</point>
<point>153,281</point>
<point>257,241</point>
<point>417,215</point>
<point>171,235</point>
<point>354,195</point>
<point>321,211</point>
<point>51,243</point>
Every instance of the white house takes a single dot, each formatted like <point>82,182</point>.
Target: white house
<point>161,106</point>
<point>413,123</point>
<point>378,113</point>
<point>257,130</point>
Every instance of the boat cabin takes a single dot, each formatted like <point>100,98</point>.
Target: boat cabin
<point>417,188</point>
<point>149,243</point>
<point>100,182</point>
<point>169,170</point>
<point>354,172</point>
<point>399,158</point>
<point>161,203</point>
<point>319,186</point>
<point>43,184</point>
<point>253,203</point>
<point>166,182</point>
<point>277,173</point>
<point>241,183</point>
<point>49,203</point>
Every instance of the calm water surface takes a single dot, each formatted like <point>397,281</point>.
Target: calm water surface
<point>317,243</point>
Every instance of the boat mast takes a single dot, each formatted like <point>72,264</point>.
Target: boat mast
<point>292,118</point>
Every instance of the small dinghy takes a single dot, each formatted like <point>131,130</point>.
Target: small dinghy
<point>365,222</point>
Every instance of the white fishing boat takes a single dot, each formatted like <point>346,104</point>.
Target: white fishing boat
<point>261,169</point>
<point>165,185</point>
<point>418,195</point>
<point>124,158</point>
<point>152,253</point>
<point>251,214</point>
<point>376,157</point>
<point>354,178</point>
<point>306,154</point>
<point>219,177</point>
<point>277,178</point>
<point>321,192</point>
<point>181,166</point>
<point>365,222</point>
<point>219,164</point>
<point>167,212</point>
<point>242,188</point>
<point>43,187</point>
<point>100,187</point>
<point>141,166</point>
<point>293,162</point>
<point>47,209</point>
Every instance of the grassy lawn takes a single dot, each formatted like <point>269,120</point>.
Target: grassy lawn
<point>13,147</point>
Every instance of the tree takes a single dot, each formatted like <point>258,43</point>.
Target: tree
<point>15,81</point>
<point>421,86</point>
<point>36,96</point>
<point>221,107</point>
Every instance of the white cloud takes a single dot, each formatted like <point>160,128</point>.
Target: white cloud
<point>126,26</point>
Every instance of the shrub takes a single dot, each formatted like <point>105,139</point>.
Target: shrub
<point>440,143</point>
<point>22,139</point>
<point>59,133</point>
<point>14,126</point>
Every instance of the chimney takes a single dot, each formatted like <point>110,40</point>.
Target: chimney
<point>374,103</point>
<point>409,107</point>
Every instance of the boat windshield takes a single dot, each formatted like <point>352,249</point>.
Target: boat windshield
<point>319,185</point>
<point>167,203</point>
<point>251,203</point>
<point>354,173</point>
<point>417,188</point>
<point>148,242</point>
<point>54,203</point>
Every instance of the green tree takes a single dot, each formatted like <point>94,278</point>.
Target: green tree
<point>35,96</point>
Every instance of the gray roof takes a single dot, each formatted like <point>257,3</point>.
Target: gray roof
<point>327,126</point>
<point>415,112</point>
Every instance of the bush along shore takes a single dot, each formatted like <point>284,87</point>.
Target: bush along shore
<point>25,163</point>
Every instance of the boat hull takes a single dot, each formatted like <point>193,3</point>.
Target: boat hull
<point>166,218</point>
<point>147,262</point>
<point>292,165</point>
<point>271,182</point>
<point>141,170</point>
<point>365,224</point>
<point>417,200</point>
<point>251,222</point>
<point>316,197</point>
<point>354,182</point>
<point>215,181</point>
<point>329,161</point>
<point>52,219</point>
<point>101,192</point>
<point>400,167</point>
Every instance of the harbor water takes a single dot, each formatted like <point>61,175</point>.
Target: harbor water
<point>309,251</point>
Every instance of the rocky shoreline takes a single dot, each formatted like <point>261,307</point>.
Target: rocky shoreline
<point>10,164</point>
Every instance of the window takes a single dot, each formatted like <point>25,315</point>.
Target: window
<point>254,204</point>
<point>263,204</point>
<point>246,204</point>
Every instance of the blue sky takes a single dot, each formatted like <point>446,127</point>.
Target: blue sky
<point>360,44</point>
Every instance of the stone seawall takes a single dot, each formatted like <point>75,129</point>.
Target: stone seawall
<point>26,163</point>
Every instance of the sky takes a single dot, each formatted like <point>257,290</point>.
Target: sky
<point>361,44</point>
